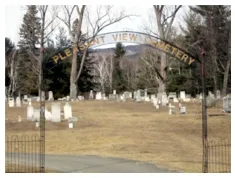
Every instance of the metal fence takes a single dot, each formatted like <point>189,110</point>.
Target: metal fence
<point>22,154</point>
<point>218,156</point>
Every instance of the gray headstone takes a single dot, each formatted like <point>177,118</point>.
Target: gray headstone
<point>67,98</point>
<point>55,111</point>
<point>218,94</point>
<point>227,104</point>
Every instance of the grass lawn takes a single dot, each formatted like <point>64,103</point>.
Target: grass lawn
<point>129,130</point>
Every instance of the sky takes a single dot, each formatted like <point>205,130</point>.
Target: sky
<point>14,15</point>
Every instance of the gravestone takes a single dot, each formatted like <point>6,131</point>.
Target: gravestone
<point>70,125</point>
<point>182,95</point>
<point>30,112</point>
<point>135,94</point>
<point>11,102</point>
<point>38,98</point>
<point>138,96</point>
<point>98,96</point>
<point>67,111</point>
<point>152,97</point>
<point>182,110</point>
<point>19,119</point>
<point>50,96</point>
<point>36,115</point>
<point>171,109</point>
<point>112,97</point>
<point>155,101</point>
<point>91,95</point>
<point>80,98</point>
<point>114,92</point>
<point>227,104</point>
<point>67,98</point>
<point>172,95</point>
<point>145,93</point>
<point>142,95</point>
<point>147,99</point>
<point>37,124</point>
<point>55,111</point>
<point>157,106</point>
<point>175,100</point>
<point>18,101</point>
<point>48,115</point>
<point>218,94</point>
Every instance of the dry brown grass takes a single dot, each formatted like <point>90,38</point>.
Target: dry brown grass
<point>130,130</point>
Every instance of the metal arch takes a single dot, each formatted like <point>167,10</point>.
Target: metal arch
<point>145,44</point>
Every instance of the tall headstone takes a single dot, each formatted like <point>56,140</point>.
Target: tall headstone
<point>138,96</point>
<point>114,92</point>
<point>55,111</point>
<point>218,94</point>
<point>18,102</point>
<point>91,96</point>
<point>30,112</point>
<point>50,96</point>
<point>182,95</point>
<point>67,111</point>
<point>48,115</point>
<point>11,102</point>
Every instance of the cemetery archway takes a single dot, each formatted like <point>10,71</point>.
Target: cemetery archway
<point>154,42</point>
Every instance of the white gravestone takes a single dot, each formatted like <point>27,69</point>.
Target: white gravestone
<point>138,96</point>
<point>67,98</point>
<point>114,92</point>
<point>175,100</point>
<point>36,115</point>
<point>171,109</point>
<point>48,115</point>
<point>50,96</point>
<point>37,124</point>
<point>55,111</point>
<point>157,106</point>
<point>182,95</point>
<point>183,110</point>
<point>70,125</point>
<point>30,113</point>
<point>11,102</point>
<point>91,96</point>
<point>18,102</point>
<point>98,96</point>
<point>67,111</point>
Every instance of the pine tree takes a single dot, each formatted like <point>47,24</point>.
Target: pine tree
<point>29,40</point>
<point>119,84</point>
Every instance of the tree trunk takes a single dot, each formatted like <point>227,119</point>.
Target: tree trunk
<point>225,81</point>
<point>73,74</point>
<point>162,85</point>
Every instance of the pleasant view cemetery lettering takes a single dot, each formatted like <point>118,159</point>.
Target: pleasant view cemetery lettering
<point>129,37</point>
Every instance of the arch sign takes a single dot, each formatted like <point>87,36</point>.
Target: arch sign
<point>132,37</point>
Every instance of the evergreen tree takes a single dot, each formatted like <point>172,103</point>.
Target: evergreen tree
<point>119,84</point>
<point>29,40</point>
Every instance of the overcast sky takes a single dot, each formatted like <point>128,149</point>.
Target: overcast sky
<point>15,13</point>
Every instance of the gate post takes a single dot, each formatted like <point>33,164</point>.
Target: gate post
<point>204,114</point>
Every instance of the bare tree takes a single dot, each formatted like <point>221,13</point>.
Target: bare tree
<point>103,19</point>
<point>101,71</point>
<point>165,19</point>
<point>11,63</point>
